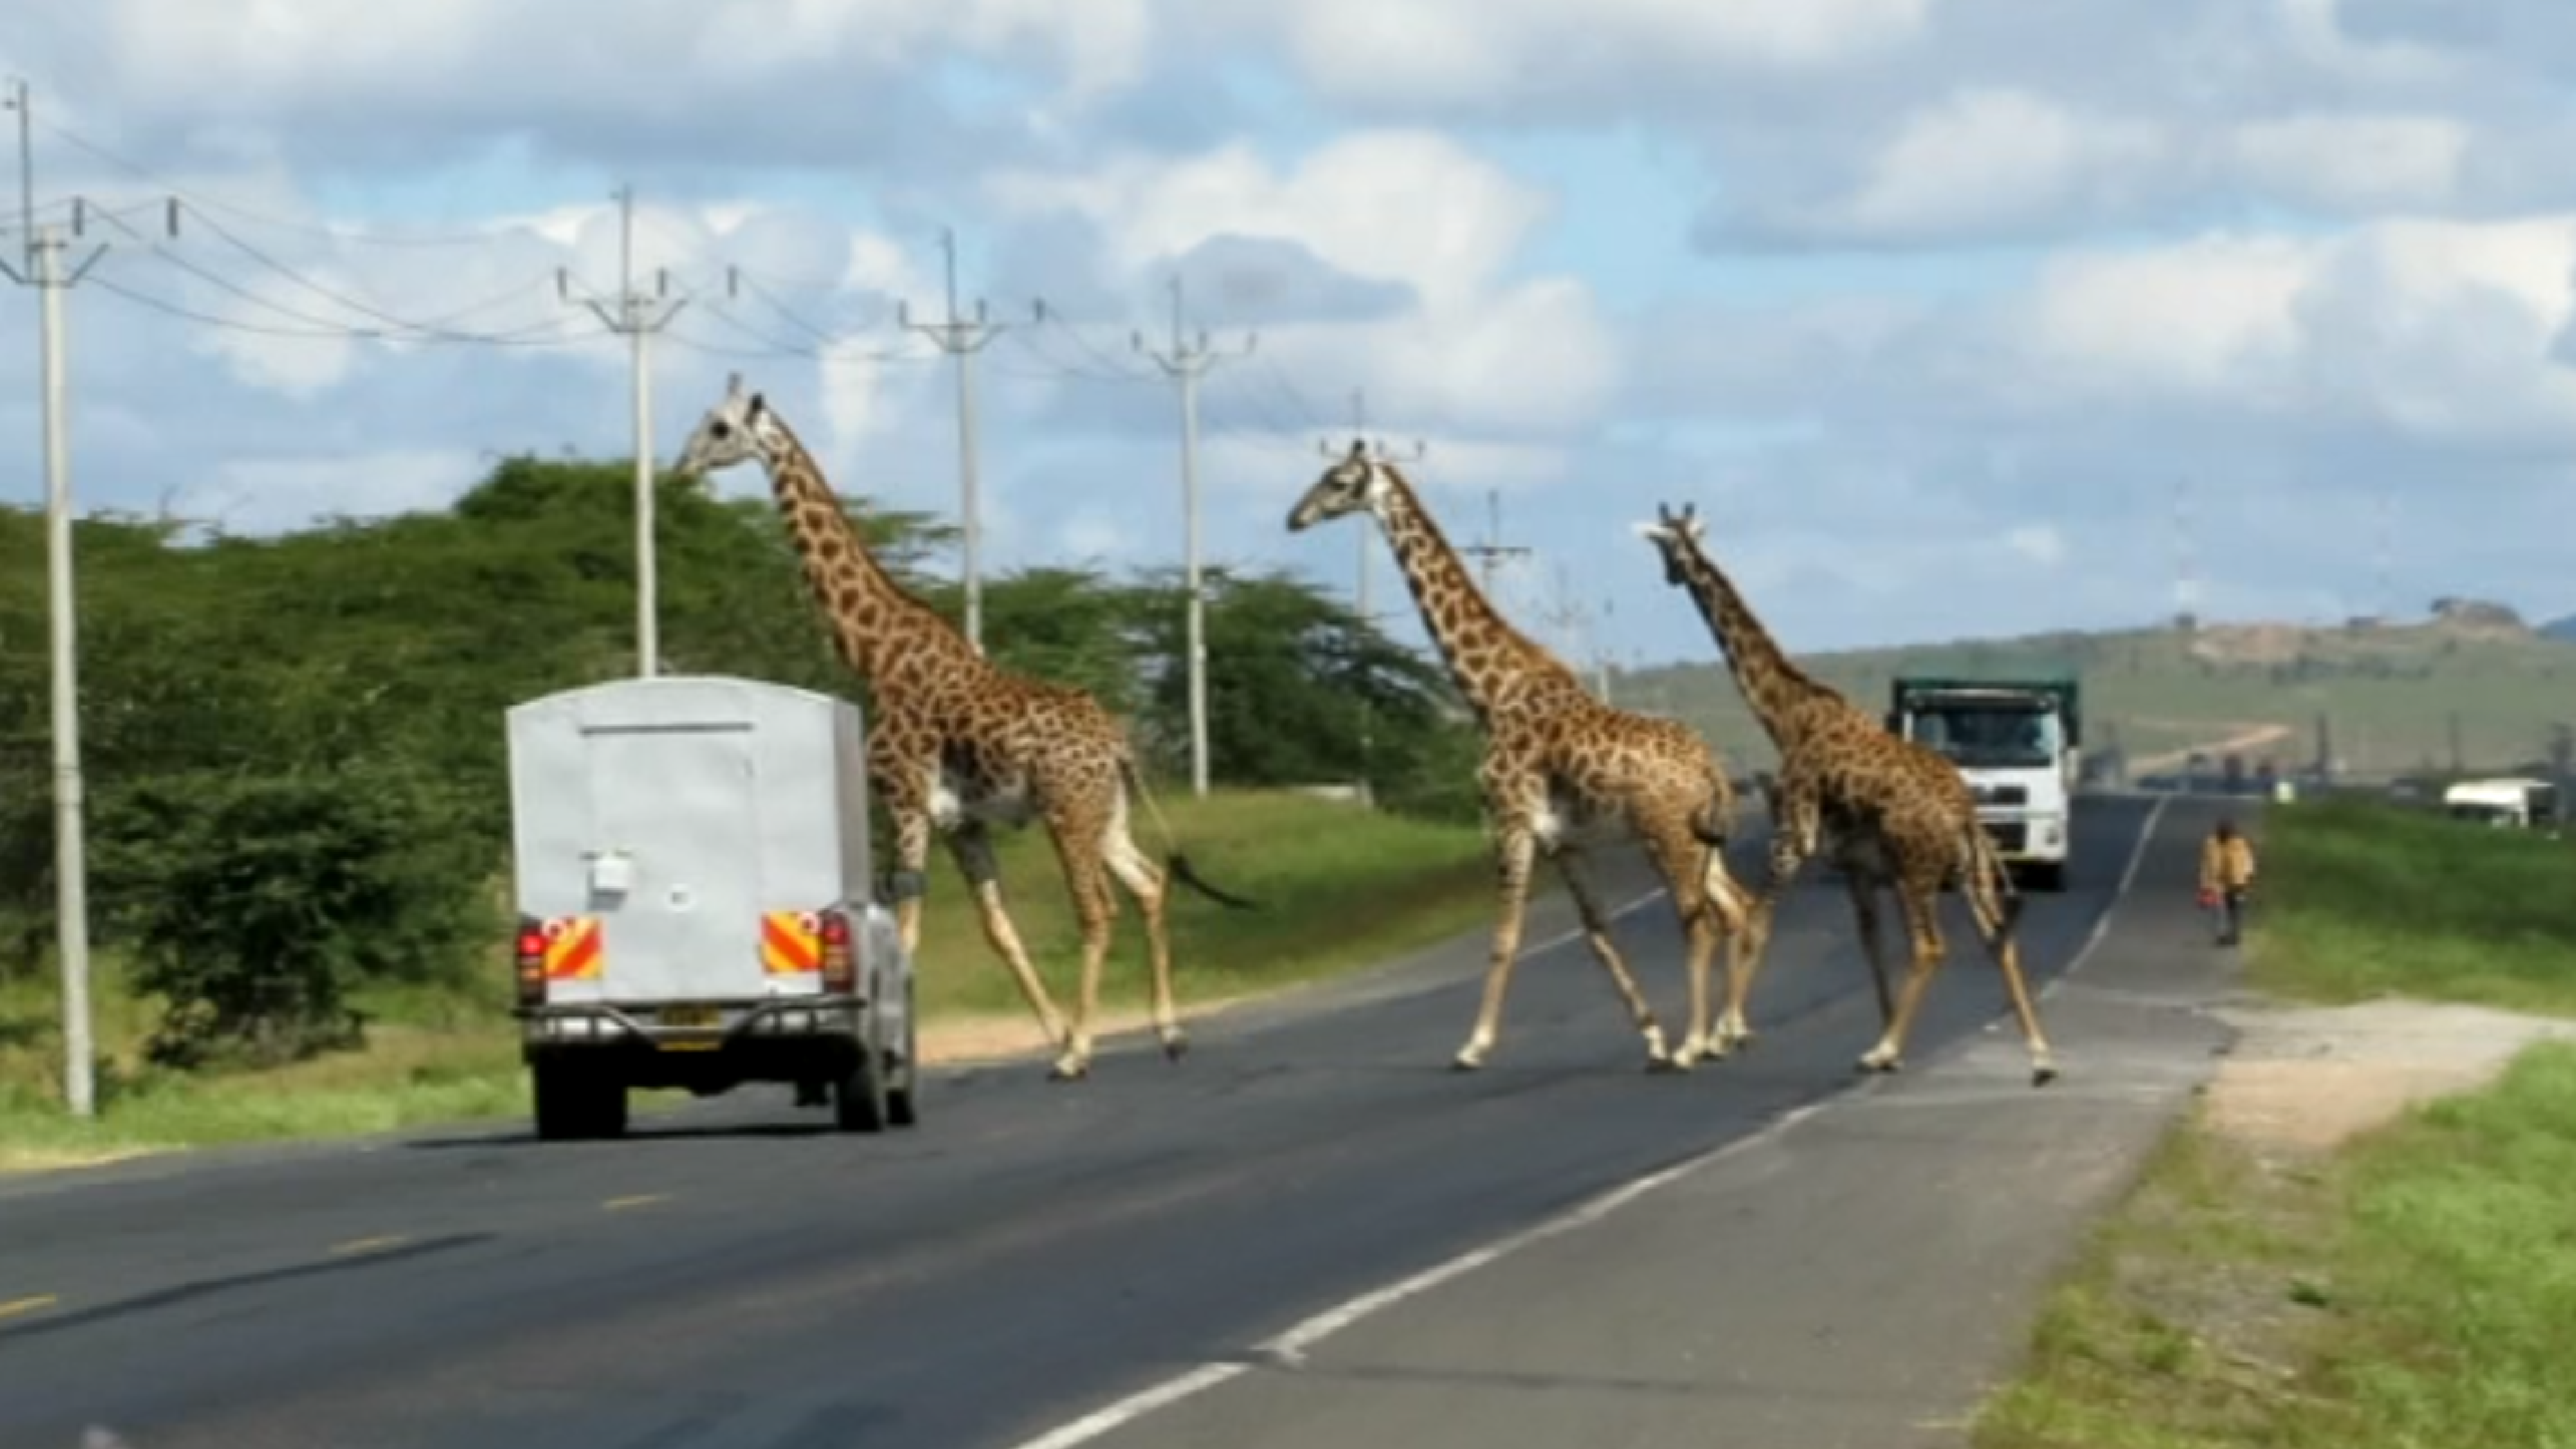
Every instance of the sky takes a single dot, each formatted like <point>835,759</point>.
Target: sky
<point>1952,317</point>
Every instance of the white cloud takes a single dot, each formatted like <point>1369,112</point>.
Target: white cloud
<point>1982,159</point>
<point>1410,206</point>
<point>268,494</point>
<point>1467,52</point>
<point>2350,162</point>
<point>2298,250</point>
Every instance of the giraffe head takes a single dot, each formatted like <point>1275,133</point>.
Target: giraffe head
<point>1676,536</point>
<point>1355,483</point>
<point>738,429</point>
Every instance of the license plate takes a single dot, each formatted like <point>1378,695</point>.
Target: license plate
<point>690,1016</point>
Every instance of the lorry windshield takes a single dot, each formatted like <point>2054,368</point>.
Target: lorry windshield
<point>1986,737</point>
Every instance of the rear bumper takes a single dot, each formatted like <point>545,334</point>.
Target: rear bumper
<point>778,1039</point>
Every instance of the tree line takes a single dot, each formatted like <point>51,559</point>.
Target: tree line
<point>293,748</point>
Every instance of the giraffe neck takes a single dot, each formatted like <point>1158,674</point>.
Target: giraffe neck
<point>1485,654</point>
<point>1773,687</point>
<point>878,626</point>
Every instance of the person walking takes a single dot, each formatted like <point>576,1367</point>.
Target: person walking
<point>2226,873</point>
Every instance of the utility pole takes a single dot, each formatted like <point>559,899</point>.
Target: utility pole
<point>633,314</point>
<point>1187,362</point>
<point>43,259</point>
<point>962,340</point>
<point>1572,620</point>
<point>1493,549</point>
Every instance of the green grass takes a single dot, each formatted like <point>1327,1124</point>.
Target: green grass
<point>1339,888</point>
<point>2359,899</point>
<point>2417,1291</point>
<point>2414,1289</point>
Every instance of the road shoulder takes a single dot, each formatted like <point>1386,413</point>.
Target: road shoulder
<point>1858,1277</point>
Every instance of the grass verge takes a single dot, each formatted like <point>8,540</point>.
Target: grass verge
<point>1338,888</point>
<point>2416,1286</point>
<point>2360,899</point>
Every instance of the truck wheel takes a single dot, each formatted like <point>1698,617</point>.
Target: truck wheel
<point>859,1097</point>
<point>573,1103</point>
<point>900,1102</point>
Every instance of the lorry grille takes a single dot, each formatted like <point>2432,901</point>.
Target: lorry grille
<point>2009,835</point>
<point>2003,794</point>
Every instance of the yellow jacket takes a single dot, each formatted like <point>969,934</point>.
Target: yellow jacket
<point>2226,864</point>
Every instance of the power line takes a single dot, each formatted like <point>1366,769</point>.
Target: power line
<point>634,316</point>
<point>43,257</point>
<point>961,340</point>
<point>1493,550</point>
<point>1186,362</point>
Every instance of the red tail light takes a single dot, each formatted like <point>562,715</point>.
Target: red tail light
<point>840,968</point>
<point>531,962</point>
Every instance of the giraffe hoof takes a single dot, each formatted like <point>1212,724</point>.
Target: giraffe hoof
<point>1672,1065</point>
<point>1175,1047</point>
<point>1887,1065</point>
<point>1466,1062</point>
<point>1069,1071</point>
<point>2043,1073</point>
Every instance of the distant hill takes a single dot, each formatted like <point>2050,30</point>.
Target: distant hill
<point>2561,629</point>
<point>2391,695</point>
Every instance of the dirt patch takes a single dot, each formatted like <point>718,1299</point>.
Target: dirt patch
<point>2250,735</point>
<point>2306,1078</point>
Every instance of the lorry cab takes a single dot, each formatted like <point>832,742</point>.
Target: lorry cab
<point>2015,745</point>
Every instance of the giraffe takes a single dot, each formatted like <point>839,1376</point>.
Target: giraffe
<point>1893,814</point>
<point>1562,772</point>
<point>958,746</point>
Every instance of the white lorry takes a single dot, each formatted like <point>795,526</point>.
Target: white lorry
<point>2018,743</point>
<point>2511,803</point>
<point>696,907</point>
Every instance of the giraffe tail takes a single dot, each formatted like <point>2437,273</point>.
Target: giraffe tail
<point>1714,821</point>
<point>1175,860</point>
<point>1986,868</point>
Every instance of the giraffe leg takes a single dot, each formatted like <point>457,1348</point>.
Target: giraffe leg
<point>1873,944</point>
<point>1993,924</point>
<point>1515,850</point>
<point>1086,878</point>
<point>1146,884</point>
<point>1921,901</point>
<point>972,846</point>
<point>1793,840</point>
<point>911,854</point>
<point>1709,905</point>
<point>1576,869</point>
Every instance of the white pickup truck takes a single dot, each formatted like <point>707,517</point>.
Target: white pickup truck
<point>696,908</point>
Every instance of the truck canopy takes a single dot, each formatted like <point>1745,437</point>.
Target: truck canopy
<point>689,830</point>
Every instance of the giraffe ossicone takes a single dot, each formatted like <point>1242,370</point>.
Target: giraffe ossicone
<point>1893,814</point>
<point>958,747</point>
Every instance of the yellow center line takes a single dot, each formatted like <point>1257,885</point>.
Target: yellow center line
<point>367,1245</point>
<point>16,1307</point>
<point>619,1204</point>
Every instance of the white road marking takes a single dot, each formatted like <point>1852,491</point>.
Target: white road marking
<point>1290,1347</point>
<point>2119,893</point>
<point>1135,1406</point>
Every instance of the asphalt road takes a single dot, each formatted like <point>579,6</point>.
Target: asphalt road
<point>739,1279</point>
